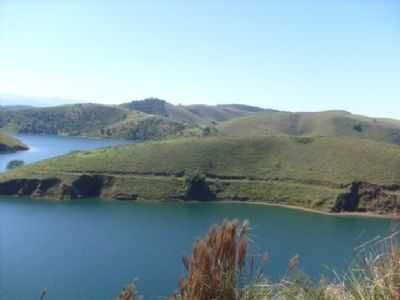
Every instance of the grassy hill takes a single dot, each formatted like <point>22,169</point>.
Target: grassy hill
<point>162,108</point>
<point>332,161</point>
<point>10,144</point>
<point>311,124</point>
<point>141,126</point>
<point>89,120</point>
<point>305,172</point>
<point>80,119</point>
<point>139,120</point>
<point>155,119</point>
<point>200,115</point>
<point>221,113</point>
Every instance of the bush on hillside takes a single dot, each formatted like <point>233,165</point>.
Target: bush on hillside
<point>15,164</point>
<point>197,187</point>
<point>358,128</point>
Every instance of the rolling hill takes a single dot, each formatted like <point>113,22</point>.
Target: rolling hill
<point>153,118</point>
<point>330,161</point>
<point>91,120</point>
<point>324,173</point>
<point>80,119</point>
<point>139,120</point>
<point>313,124</point>
<point>200,115</point>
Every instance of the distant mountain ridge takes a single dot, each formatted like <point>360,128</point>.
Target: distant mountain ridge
<point>150,118</point>
<point>15,107</point>
<point>154,118</point>
<point>191,114</point>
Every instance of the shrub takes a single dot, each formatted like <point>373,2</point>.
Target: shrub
<point>129,293</point>
<point>303,140</point>
<point>15,164</point>
<point>197,187</point>
<point>358,128</point>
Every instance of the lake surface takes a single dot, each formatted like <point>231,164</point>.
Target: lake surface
<point>45,146</point>
<point>90,249</point>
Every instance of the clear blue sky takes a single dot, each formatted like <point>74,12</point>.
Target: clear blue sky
<point>292,55</point>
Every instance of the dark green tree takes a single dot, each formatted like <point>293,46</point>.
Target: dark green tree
<point>358,127</point>
<point>197,187</point>
<point>15,164</point>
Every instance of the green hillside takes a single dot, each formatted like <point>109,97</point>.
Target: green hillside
<point>304,172</point>
<point>335,160</point>
<point>10,144</point>
<point>153,118</point>
<point>331,161</point>
<point>329,123</point>
<point>92,120</point>
<point>221,113</point>
<point>140,126</point>
<point>200,115</point>
<point>79,119</point>
<point>138,120</point>
<point>162,108</point>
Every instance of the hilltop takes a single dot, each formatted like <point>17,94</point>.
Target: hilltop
<point>137,120</point>
<point>192,114</point>
<point>325,173</point>
<point>153,118</point>
<point>10,144</point>
<point>330,161</point>
<point>313,124</point>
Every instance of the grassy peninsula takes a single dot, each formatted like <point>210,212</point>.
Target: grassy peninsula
<point>331,161</point>
<point>9,144</point>
<point>322,173</point>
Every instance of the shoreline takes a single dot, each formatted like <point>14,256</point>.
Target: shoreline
<point>286,206</point>
<point>316,211</point>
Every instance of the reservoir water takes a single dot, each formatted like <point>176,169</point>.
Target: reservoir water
<point>47,146</point>
<point>90,249</point>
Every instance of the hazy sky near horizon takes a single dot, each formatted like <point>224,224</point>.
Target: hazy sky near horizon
<point>292,55</point>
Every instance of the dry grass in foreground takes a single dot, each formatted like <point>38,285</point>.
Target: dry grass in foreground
<point>216,271</point>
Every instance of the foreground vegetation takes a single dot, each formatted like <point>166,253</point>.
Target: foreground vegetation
<point>220,268</point>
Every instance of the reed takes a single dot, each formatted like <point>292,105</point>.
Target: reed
<point>129,293</point>
<point>215,264</point>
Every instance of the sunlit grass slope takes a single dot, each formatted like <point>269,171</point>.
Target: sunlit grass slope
<point>329,123</point>
<point>10,144</point>
<point>335,160</point>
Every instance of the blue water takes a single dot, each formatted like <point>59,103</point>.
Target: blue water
<point>90,249</point>
<point>43,147</point>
